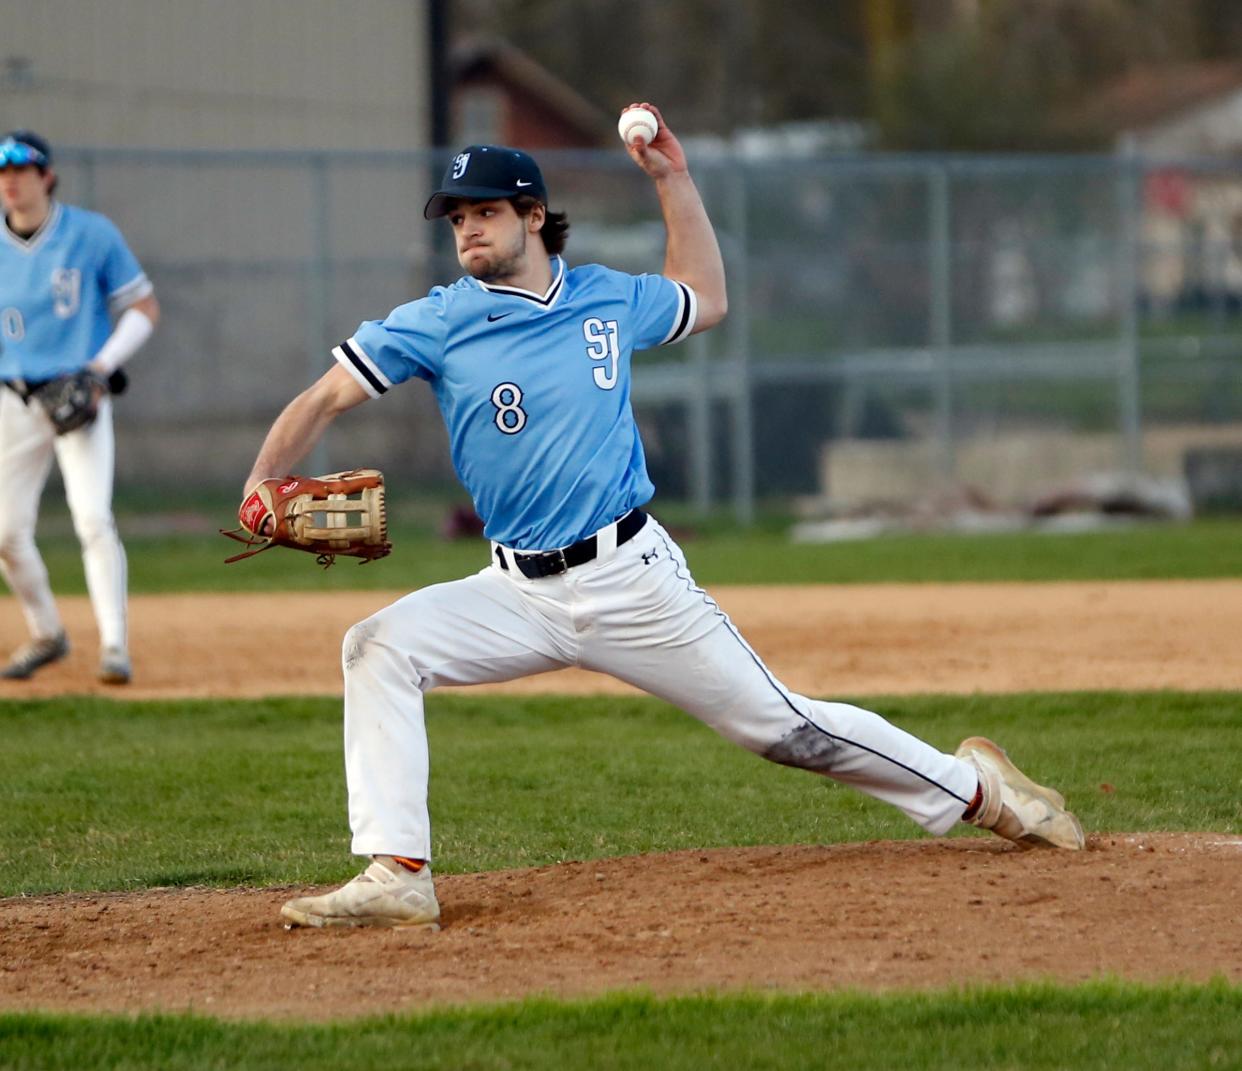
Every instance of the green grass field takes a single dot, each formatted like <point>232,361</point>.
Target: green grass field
<point>103,794</point>
<point>718,554</point>
<point>1101,1026</point>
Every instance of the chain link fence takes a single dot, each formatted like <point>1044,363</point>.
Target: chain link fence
<point>898,326</point>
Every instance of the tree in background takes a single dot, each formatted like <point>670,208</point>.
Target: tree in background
<point>997,78</point>
<point>713,65</point>
<point>931,74</point>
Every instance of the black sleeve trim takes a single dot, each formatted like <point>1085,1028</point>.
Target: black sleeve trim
<point>687,313</point>
<point>359,365</point>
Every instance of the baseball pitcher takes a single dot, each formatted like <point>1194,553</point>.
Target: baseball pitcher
<point>530,362</point>
<point>74,306</point>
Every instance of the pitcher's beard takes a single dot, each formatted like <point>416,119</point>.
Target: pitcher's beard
<point>498,262</point>
<point>497,271</point>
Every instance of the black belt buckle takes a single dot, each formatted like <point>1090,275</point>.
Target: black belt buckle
<point>537,566</point>
<point>555,562</point>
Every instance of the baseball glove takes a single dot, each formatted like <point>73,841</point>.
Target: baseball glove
<point>71,401</point>
<point>341,513</point>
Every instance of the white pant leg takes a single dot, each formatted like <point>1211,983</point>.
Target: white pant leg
<point>86,458</point>
<point>471,631</point>
<point>26,448</point>
<point>653,627</point>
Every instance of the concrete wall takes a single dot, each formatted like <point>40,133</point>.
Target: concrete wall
<point>287,74</point>
<point>1012,468</point>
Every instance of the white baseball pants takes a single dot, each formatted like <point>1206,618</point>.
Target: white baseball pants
<point>634,613</point>
<point>28,443</point>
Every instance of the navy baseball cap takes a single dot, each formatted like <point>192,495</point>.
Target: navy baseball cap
<point>487,173</point>
<point>18,148</point>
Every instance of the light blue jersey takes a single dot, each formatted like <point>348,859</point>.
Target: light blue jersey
<point>534,390</point>
<point>57,290</point>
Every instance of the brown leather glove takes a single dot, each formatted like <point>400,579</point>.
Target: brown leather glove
<point>341,513</point>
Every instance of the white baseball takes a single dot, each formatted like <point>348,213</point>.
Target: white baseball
<point>637,124</point>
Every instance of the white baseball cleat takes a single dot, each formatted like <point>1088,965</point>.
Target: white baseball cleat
<point>114,667</point>
<point>1014,806</point>
<point>382,895</point>
<point>35,655</point>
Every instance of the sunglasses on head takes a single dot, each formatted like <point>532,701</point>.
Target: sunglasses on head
<point>19,154</point>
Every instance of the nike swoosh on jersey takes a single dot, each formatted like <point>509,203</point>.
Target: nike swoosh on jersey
<point>491,319</point>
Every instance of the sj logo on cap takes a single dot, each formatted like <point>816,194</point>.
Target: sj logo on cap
<point>460,162</point>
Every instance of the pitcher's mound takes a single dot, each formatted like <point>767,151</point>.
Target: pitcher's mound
<point>876,916</point>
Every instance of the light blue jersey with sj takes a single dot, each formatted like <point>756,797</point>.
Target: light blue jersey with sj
<point>534,390</point>
<point>57,289</point>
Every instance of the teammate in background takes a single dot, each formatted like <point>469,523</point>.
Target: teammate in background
<point>72,296</point>
<point>530,363</point>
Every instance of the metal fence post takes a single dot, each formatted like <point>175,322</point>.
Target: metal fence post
<point>1129,401</point>
<point>940,315</point>
<point>699,418</point>
<point>738,334</point>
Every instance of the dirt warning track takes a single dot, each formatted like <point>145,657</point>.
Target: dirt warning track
<point>822,640</point>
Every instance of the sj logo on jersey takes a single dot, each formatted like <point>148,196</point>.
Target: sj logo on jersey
<point>66,292</point>
<point>602,345</point>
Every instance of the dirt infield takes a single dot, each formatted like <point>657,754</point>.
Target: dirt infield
<point>875,916</point>
<point>822,640</point>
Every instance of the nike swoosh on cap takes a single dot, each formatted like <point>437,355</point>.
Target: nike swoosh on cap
<point>521,183</point>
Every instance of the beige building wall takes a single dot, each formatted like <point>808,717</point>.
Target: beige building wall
<point>254,74</point>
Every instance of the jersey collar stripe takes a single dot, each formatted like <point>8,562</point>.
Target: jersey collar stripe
<point>363,369</point>
<point>29,245</point>
<point>546,299</point>
<point>687,313</point>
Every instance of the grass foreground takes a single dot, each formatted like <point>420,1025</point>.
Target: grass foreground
<point>1101,1025</point>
